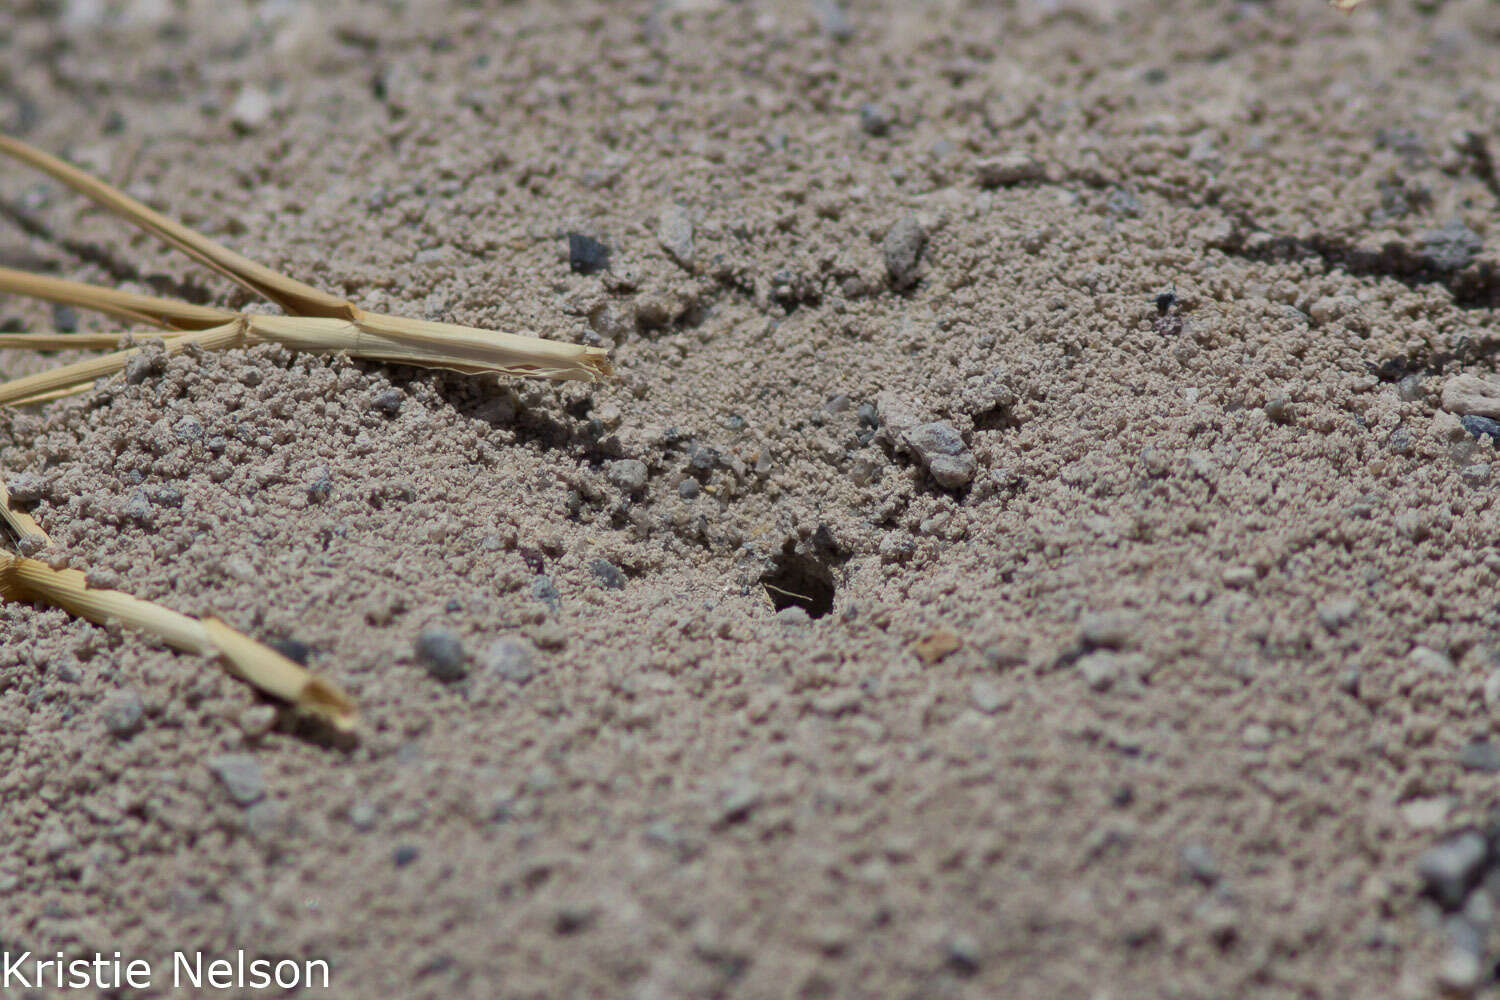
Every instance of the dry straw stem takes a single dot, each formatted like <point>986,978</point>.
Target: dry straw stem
<point>316,321</point>
<point>24,579</point>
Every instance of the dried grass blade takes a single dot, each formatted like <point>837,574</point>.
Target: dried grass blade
<point>291,295</point>
<point>81,374</point>
<point>276,675</point>
<point>20,523</point>
<point>66,341</point>
<point>379,337</point>
<point>146,309</point>
<point>24,579</point>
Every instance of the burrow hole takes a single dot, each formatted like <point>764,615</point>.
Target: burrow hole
<point>795,581</point>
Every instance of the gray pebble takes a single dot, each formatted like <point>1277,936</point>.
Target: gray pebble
<point>629,474</point>
<point>510,660</point>
<point>939,446</point>
<point>1451,867</point>
<point>608,574</point>
<point>240,775</point>
<point>1199,863</point>
<point>832,20</point>
<point>738,801</point>
<point>405,855</point>
<point>138,508</point>
<point>1400,441</point>
<point>1009,168</point>
<point>27,488</point>
<point>1101,670</point>
<point>320,488</point>
<point>139,367</point>
<point>903,248</point>
<point>1480,755</point>
<point>689,489</point>
<point>794,616</point>
<point>442,653</point>
<point>1335,614</point>
<point>1109,630</point>
<point>64,319</point>
<point>188,429</point>
<point>674,232</point>
<point>544,590</point>
<point>1452,247</point>
<point>1476,475</point>
<point>1281,410</point>
<point>388,401</point>
<point>586,255</point>
<point>167,496</point>
<point>1481,427</point>
<point>874,119</point>
<point>123,714</point>
<point>1409,389</point>
<point>987,696</point>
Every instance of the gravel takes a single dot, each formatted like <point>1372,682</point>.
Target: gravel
<point>586,255</point>
<point>1449,869</point>
<point>903,246</point>
<point>1009,168</point>
<point>123,714</point>
<point>1482,427</point>
<point>1468,395</point>
<point>629,474</point>
<point>874,119</point>
<point>442,653</point>
<point>1452,247</point>
<point>510,660</point>
<point>608,574</point>
<point>674,232</point>
<point>940,448</point>
<point>388,401</point>
<point>240,775</point>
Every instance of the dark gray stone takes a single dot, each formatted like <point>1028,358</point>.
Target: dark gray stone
<point>608,574</point>
<point>903,248</point>
<point>442,653</point>
<point>586,255</point>
<point>1452,247</point>
<point>1481,427</point>
<point>240,775</point>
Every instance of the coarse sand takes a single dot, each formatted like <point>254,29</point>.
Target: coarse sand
<point>1029,550</point>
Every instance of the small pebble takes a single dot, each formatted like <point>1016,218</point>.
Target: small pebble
<point>874,119</point>
<point>987,696</point>
<point>442,653</point>
<point>1109,630</point>
<point>1452,247</point>
<point>251,110</point>
<point>544,590</point>
<point>940,448</point>
<point>256,720</point>
<point>1199,863</point>
<point>794,616</point>
<point>1475,475</point>
<point>629,474</point>
<point>1472,395</point>
<point>293,649</point>
<point>674,233</point>
<point>1482,427</point>
<point>1100,670</point>
<point>388,401</point>
<point>608,574</point>
<point>1335,614</point>
<point>738,801</point>
<point>138,508</point>
<point>1450,868</point>
<point>586,255</point>
<point>832,20</point>
<point>510,660</point>
<point>1400,441</point>
<point>404,855</point>
<point>1430,661</point>
<point>1009,168</point>
<point>123,714</point>
<point>240,775</point>
<point>689,489</point>
<point>903,248</point>
<point>1256,735</point>
<point>1480,755</point>
<point>1281,410</point>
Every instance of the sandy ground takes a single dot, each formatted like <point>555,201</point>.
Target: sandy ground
<point>1153,645</point>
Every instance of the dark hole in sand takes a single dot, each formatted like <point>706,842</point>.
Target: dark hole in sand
<point>801,582</point>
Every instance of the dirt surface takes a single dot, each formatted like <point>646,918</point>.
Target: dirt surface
<point>1153,642</point>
